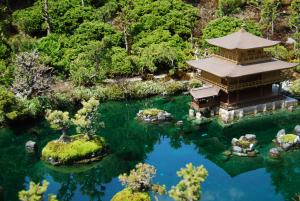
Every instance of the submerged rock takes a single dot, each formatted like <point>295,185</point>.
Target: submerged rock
<point>274,153</point>
<point>30,146</point>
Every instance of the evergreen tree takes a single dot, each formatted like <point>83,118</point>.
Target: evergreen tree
<point>59,120</point>
<point>36,192</point>
<point>189,188</point>
<point>295,20</point>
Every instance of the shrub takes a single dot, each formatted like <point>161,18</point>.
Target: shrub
<point>195,83</point>
<point>174,87</point>
<point>129,195</point>
<point>151,112</point>
<point>144,89</point>
<point>36,192</point>
<point>295,88</point>
<point>279,52</point>
<point>7,100</point>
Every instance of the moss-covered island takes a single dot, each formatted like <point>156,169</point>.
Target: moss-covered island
<point>129,195</point>
<point>82,148</point>
<point>79,149</point>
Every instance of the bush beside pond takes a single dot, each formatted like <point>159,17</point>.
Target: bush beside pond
<point>129,195</point>
<point>79,150</point>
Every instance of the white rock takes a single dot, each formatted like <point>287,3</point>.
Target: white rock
<point>234,141</point>
<point>297,130</point>
<point>250,136</point>
<point>280,133</point>
<point>237,149</point>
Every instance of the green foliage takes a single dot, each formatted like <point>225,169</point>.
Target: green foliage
<point>6,73</point>
<point>279,52</point>
<point>140,178</point>
<point>295,88</point>
<point>144,89</point>
<point>85,117</point>
<point>174,87</point>
<point>269,13</point>
<point>5,20</point>
<point>189,188</point>
<point>226,25</point>
<point>295,15</point>
<point>7,99</point>
<point>151,112</point>
<point>129,195</point>
<point>36,192</point>
<point>58,120</point>
<point>194,83</point>
<point>227,7</point>
<point>29,20</point>
<point>4,50</point>
<point>22,43</point>
<point>78,148</point>
<point>288,138</point>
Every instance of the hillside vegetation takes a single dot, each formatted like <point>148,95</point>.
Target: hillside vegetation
<point>46,44</point>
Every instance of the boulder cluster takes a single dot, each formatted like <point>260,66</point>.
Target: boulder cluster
<point>154,115</point>
<point>244,146</point>
<point>285,142</point>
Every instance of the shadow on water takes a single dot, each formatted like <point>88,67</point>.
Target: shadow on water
<point>131,142</point>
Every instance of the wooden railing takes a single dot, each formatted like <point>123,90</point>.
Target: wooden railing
<point>244,59</point>
<point>243,85</point>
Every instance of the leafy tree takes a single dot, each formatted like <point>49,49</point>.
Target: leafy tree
<point>60,121</point>
<point>5,21</point>
<point>85,117</point>
<point>140,179</point>
<point>36,192</point>
<point>269,13</point>
<point>189,188</point>
<point>6,73</point>
<point>226,25</point>
<point>31,76</point>
<point>29,20</point>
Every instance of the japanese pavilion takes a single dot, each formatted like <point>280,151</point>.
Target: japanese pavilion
<point>241,78</point>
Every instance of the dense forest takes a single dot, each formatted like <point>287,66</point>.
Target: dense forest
<point>72,47</point>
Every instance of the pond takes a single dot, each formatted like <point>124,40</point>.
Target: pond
<point>165,146</point>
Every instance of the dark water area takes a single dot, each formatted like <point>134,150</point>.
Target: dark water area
<point>165,146</point>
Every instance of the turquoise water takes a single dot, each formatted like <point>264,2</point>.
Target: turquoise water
<point>165,146</point>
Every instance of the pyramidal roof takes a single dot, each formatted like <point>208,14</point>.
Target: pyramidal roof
<point>241,40</point>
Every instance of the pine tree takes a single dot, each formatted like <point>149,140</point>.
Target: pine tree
<point>189,188</point>
<point>269,13</point>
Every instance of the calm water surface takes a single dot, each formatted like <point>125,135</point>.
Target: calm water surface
<point>166,147</point>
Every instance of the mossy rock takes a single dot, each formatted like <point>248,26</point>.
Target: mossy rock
<point>288,138</point>
<point>152,112</point>
<point>80,149</point>
<point>128,195</point>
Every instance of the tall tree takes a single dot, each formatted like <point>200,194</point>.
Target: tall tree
<point>269,13</point>
<point>125,21</point>
<point>295,20</point>
<point>189,188</point>
<point>46,16</point>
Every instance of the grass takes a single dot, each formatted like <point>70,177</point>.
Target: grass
<point>128,195</point>
<point>288,138</point>
<point>244,143</point>
<point>151,112</point>
<point>79,148</point>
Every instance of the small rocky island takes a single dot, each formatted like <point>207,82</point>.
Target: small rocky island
<point>244,146</point>
<point>285,142</point>
<point>85,147</point>
<point>153,115</point>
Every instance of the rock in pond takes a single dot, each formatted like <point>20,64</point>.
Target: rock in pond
<point>30,146</point>
<point>274,153</point>
<point>280,133</point>
<point>287,141</point>
<point>153,115</point>
<point>179,123</point>
<point>297,130</point>
<point>244,146</point>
